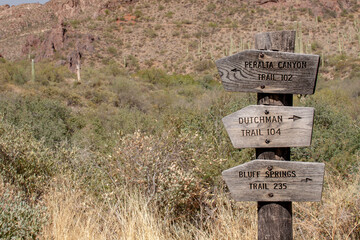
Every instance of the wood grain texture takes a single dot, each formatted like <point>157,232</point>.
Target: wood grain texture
<point>276,41</point>
<point>269,72</point>
<point>275,221</point>
<point>271,180</point>
<point>270,126</point>
<point>275,218</point>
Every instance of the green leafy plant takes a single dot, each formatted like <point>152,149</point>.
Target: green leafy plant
<point>18,218</point>
<point>46,119</point>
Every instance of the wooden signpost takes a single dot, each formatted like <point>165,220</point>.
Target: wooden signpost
<point>271,180</point>
<point>268,71</point>
<point>272,127</point>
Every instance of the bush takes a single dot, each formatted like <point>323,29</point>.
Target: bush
<point>150,33</point>
<point>112,50</point>
<point>169,14</point>
<point>47,72</point>
<point>160,77</point>
<point>154,76</point>
<point>132,63</point>
<point>24,161</point>
<point>335,137</point>
<point>211,7</point>
<point>203,65</point>
<point>158,167</point>
<point>19,219</point>
<point>46,119</point>
<point>130,93</point>
<point>17,73</point>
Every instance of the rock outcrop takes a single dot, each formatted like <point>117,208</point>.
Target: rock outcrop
<point>57,40</point>
<point>83,45</point>
<point>54,41</point>
<point>4,7</point>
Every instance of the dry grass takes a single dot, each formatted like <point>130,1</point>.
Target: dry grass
<point>73,215</point>
<point>336,217</point>
<point>77,216</point>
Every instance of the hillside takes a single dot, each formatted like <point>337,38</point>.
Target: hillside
<point>178,35</point>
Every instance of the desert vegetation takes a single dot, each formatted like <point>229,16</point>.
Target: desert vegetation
<point>135,150</point>
<point>139,155</point>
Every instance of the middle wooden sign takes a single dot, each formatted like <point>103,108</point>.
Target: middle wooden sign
<point>262,126</point>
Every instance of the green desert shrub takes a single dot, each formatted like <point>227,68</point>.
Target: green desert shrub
<point>46,119</point>
<point>14,72</point>
<point>203,65</point>
<point>25,162</point>
<point>112,50</point>
<point>160,77</point>
<point>335,139</point>
<point>150,33</point>
<point>132,63</point>
<point>154,76</point>
<point>18,218</point>
<point>48,72</point>
<point>211,7</point>
<point>29,165</point>
<point>130,93</point>
<point>114,69</point>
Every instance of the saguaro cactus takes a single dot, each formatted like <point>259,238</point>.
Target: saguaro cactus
<point>78,67</point>
<point>32,70</point>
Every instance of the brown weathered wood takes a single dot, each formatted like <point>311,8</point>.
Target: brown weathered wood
<point>275,218</point>
<point>270,180</point>
<point>270,126</point>
<point>276,41</point>
<point>275,221</point>
<point>269,72</point>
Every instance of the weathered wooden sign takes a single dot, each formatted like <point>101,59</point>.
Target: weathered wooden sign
<point>269,72</point>
<point>270,126</point>
<point>271,180</point>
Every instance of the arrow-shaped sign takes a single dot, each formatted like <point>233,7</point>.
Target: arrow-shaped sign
<point>270,180</point>
<point>269,71</point>
<point>263,126</point>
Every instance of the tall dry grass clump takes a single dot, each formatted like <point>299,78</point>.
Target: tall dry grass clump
<point>74,215</point>
<point>338,214</point>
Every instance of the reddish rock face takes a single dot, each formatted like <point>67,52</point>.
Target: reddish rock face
<point>83,45</point>
<point>53,42</point>
<point>57,40</point>
<point>64,8</point>
<point>31,43</point>
<point>4,7</point>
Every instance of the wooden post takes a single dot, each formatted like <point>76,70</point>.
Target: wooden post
<point>275,218</point>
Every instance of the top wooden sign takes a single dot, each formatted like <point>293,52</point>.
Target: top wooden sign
<point>269,72</point>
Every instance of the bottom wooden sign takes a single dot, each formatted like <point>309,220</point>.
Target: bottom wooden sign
<point>271,180</point>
